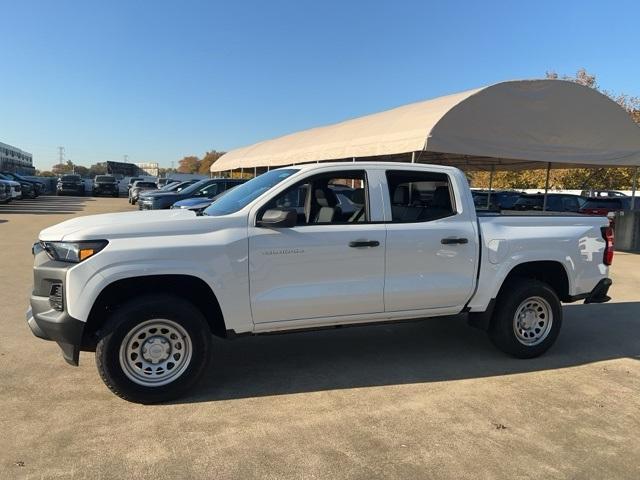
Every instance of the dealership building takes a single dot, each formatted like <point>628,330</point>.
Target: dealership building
<point>13,159</point>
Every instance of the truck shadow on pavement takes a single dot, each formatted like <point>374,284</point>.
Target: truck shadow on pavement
<point>45,205</point>
<point>431,351</point>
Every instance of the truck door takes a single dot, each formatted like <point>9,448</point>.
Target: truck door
<point>330,264</point>
<point>431,244</point>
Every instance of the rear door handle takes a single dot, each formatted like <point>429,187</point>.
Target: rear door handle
<point>454,241</point>
<point>364,243</point>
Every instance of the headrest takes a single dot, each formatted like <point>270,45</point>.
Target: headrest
<point>441,198</point>
<point>326,198</point>
<point>401,195</point>
<point>358,196</point>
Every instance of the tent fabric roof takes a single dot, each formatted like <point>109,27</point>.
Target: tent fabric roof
<point>509,125</point>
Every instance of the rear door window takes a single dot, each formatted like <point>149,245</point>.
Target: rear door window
<point>419,196</point>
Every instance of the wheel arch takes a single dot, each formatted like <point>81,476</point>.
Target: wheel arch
<point>187,287</point>
<point>551,272</point>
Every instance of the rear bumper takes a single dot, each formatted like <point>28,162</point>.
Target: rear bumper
<point>597,295</point>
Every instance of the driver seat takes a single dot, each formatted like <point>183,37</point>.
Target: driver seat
<point>329,211</point>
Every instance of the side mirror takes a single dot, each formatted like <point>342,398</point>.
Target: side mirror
<point>277,218</point>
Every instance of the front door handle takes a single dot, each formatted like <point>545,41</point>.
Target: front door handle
<point>454,241</point>
<point>364,243</point>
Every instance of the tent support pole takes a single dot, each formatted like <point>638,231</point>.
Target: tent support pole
<point>413,157</point>
<point>493,169</point>
<point>255,172</point>
<point>634,188</point>
<point>546,188</point>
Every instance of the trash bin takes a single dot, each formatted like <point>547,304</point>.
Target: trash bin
<point>628,231</point>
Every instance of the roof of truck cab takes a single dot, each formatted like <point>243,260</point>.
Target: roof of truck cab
<point>372,164</point>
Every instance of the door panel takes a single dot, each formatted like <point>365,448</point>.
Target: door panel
<point>311,271</point>
<point>431,243</point>
<point>423,273</point>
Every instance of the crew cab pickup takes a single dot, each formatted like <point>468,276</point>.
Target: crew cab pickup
<point>145,290</point>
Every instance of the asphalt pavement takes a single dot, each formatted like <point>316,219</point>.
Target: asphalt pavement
<point>422,400</point>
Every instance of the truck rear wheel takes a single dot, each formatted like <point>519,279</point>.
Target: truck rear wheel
<point>153,349</point>
<point>527,319</point>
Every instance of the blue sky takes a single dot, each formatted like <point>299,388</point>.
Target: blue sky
<point>159,80</point>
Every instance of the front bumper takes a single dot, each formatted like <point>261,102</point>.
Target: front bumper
<point>47,322</point>
<point>105,190</point>
<point>63,329</point>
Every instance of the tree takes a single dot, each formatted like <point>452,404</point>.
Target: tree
<point>60,168</point>
<point>208,160</point>
<point>99,168</point>
<point>82,171</point>
<point>189,164</point>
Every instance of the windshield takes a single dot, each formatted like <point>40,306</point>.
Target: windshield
<point>70,178</point>
<point>244,194</point>
<point>105,178</point>
<point>140,184</point>
<point>195,187</point>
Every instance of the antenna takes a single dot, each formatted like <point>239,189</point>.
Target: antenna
<point>61,154</point>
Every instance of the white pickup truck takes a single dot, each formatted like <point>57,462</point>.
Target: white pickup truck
<point>306,247</point>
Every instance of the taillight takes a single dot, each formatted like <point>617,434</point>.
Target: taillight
<point>607,234</point>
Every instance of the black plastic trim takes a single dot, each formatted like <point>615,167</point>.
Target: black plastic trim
<point>482,320</point>
<point>597,295</point>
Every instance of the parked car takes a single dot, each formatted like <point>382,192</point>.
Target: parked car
<point>37,188</point>
<point>15,187</point>
<point>132,180</point>
<point>500,199</point>
<point>147,291</point>
<point>606,206</point>
<point>5,192</point>
<point>105,185</point>
<point>70,184</point>
<point>140,186</point>
<point>25,189</point>
<point>198,204</point>
<point>171,184</point>
<point>164,181</point>
<point>207,188</point>
<point>556,202</point>
<point>602,193</point>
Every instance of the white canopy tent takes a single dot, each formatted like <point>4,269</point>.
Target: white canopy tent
<point>524,124</point>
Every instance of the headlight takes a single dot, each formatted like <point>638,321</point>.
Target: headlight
<point>73,252</point>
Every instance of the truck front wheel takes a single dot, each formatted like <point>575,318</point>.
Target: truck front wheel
<point>153,349</point>
<point>527,319</point>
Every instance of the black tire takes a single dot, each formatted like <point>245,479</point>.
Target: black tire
<point>134,313</point>
<point>502,331</point>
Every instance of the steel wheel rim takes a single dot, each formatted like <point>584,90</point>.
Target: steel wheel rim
<point>532,321</point>
<point>155,352</point>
